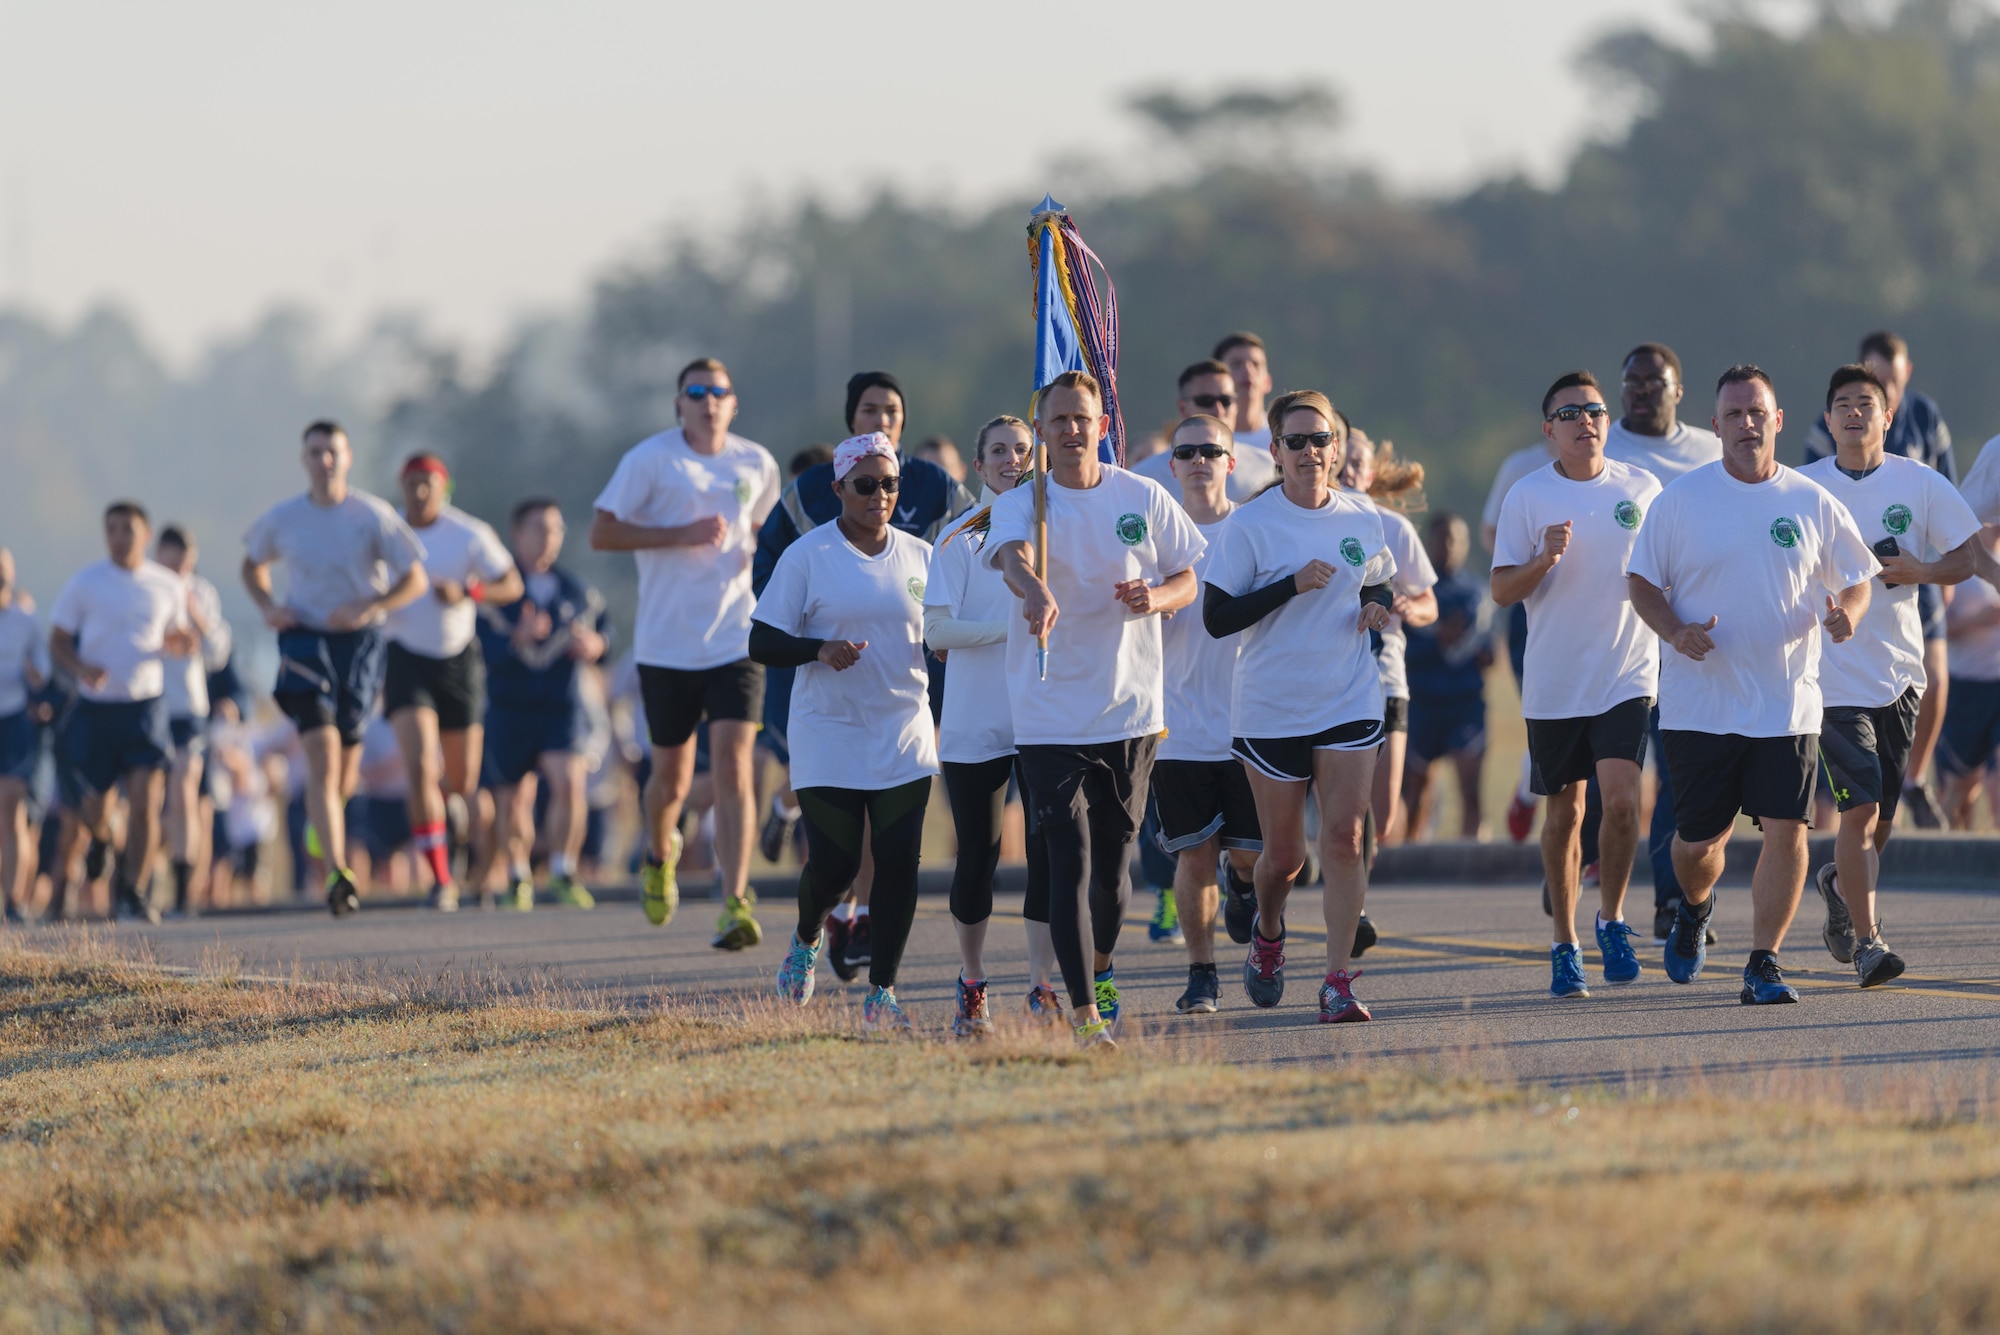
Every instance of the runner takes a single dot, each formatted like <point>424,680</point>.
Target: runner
<point>435,686</point>
<point>350,560</point>
<point>1208,388</point>
<point>1651,436</point>
<point>1565,538</point>
<point>186,683</point>
<point>966,610</point>
<point>687,503</point>
<point>1521,807</point>
<point>1446,664</point>
<point>845,604</point>
<point>24,671</point>
<point>1207,813</point>
<point>1981,490</point>
<point>781,817</point>
<point>1304,572</point>
<point>1972,721</point>
<point>1120,555</point>
<point>1730,570</point>
<point>110,628</point>
<point>928,500</point>
<point>536,648</point>
<point>1250,372</point>
<point>1924,534</point>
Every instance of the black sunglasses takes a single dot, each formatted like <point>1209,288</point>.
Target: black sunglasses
<point>1316,440</point>
<point>1186,452</point>
<point>700,392</point>
<point>865,486</point>
<point>1571,412</point>
<point>1213,400</point>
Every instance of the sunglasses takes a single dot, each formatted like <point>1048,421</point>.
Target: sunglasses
<point>1574,411</point>
<point>1213,400</point>
<point>1307,440</point>
<point>866,486</point>
<point>700,392</point>
<point>1657,384</point>
<point>1187,452</point>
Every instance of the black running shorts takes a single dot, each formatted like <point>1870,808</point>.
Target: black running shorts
<point>1716,775</point>
<point>452,688</point>
<point>1865,751</point>
<point>1289,759</point>
<point>1199,799</point>
<point>677,700</point>
<point>1563,751</point>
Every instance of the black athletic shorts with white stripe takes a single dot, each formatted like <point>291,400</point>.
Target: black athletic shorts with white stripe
<point>1289,759</point>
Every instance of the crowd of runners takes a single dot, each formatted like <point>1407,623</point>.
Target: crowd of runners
<point>1237,652</point>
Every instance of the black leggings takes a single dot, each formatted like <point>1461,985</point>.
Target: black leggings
<point>1087,802</point>
<point>978,793</point>
<point>833,821</point>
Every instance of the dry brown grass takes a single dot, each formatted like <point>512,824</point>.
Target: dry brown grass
<point>201,1154</point>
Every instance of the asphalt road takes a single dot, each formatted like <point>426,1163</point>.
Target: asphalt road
<point>1459,982</point>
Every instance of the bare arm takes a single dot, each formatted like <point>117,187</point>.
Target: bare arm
<point>1844,613</point>
<point>1417,609</point>
<point>1954,567</point>
<point>1653,608</point>
<point>257,579</point>
<point>1513,584</point>
<point>500,591</point>
<point>1038,605</point>
<point>609,533</point>
<point>62,652</point>
<point>1167,597</point>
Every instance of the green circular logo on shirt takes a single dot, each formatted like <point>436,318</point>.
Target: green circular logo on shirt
<point>1350,549</point>
<point>743,491</point>
<point>1628,514</point>
<point>1785,531</point>
<point>1897,519</point>
<point>916,588</point>
<point>1131,529</point>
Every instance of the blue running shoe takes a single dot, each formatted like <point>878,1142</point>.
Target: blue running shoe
<point>1614,943</point>
<point>795,975</point>
<point>882,1016</point>
<point>1566,972</point>
<point>1165,928</point>
<point>1764,984</point>
<point>1687,944</point>
<point>1107,1000</point>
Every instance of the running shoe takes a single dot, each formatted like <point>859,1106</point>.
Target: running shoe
<point>1663,923</point>
<point>342,898</point>
<point>1764,984</point>
<point>972,1020</point>
<point>570,893</point>
<point>1204,991</point>
<point>129,903</point>
<point>1166,924</point>
<point>777,833</point>
<point>880,1014</point>
<point>1107,999</point>
<point>835,934</point>
<point>1875,962</point>
<point>1520,819</point>
<point>1264,970</point>
<point>1921,803</point>
<point>1045,1006</point>
<point>1239,905</point>
<point>1096,1036</point>
<point>660,891</point>
<point>1838,932</point>
<point>15,916</point>
<point>795,975</point>
<point>1566,972</point>
<point>1687,944</point>
<point>735,927</point>
<point>523,895</point>
<point>444,898</point>
<point>859,953</point>
<point>1337,1002</point>
<point>1365,936</point>
<point>1614,945</point>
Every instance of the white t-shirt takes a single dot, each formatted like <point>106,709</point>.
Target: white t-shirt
<point>457,547</point>
<point>1200,674</point>
<point>1914,504</point>
<point>1587,649</point>
<point>1104,682</point>
<point>21,646</point>
<point>334,554</point>
<point>119,619</point>
<point>694,602</point>
<point>1981,487</point>
<point>869,726</point>
<point>1975,654</point>
<point>1512,469</point>
<point>1667,457</point>
<point>977,723</point>
<point>1414,575</point>
<point>1306,667</point>
<point>1762,557</point>
<point>1255,469</point>
<point>186,678</point>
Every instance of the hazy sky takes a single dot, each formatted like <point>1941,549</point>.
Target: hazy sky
<point>201,159</point>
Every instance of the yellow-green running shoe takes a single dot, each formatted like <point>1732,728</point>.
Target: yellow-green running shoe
<point>570,893</point>
<point>736,928</point>
<point>660,892</point>
<point>524,894</point>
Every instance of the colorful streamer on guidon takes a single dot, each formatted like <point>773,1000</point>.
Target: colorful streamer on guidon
<point>1076,328</point>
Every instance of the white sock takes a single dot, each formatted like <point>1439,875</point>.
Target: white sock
<point>1041,952</point>
<point>860,912</point>
<point>1522,790</point>
<point>561,864</point>
<point>1602,919</point>
<point>844,910</point>
<point>787,813</point>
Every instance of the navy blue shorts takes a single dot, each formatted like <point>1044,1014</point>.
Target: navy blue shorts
<point>190,735</point>
<point>1443,725</point>
<point>382,823</point>
<point>1971,726</point>
<point>1930,612</point>
<point>517,738</point>
<point>329,679</point>
<point>108,739</point>
<point>20,746</point>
